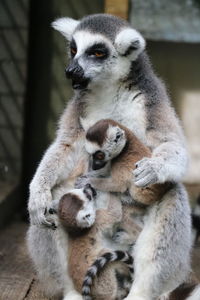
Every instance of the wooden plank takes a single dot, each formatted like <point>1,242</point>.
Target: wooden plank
<point>14,288</point>
<point>17,277</point>
<point>16,272</point>
<point>118,8</point>
<point>35,292</point>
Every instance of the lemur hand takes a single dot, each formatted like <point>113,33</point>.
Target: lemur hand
<point>39,205</point>
<point>147,171</point>
<point>82,181</point>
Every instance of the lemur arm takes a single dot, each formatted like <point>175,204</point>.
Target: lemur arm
<point>169,155</point>
<point>108,185</point>
<point>53,166</point>
<point>119,181</point>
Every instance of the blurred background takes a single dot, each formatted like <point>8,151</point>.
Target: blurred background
<point>34,92</point>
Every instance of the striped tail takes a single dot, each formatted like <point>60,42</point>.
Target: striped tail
<point>99,264</point>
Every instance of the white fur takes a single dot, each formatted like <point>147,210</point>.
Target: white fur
<point>73,295</point>
<point>112,147</point>
<point>66,26</point>
<point>91,147</point>
<point>127,37</point>
<point>195,294</point>
<point>109,102</point>
<point>86,216</point>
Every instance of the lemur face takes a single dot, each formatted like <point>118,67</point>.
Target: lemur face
<point>77,209</point>
<point>102,150</point>
<point>101,49</point>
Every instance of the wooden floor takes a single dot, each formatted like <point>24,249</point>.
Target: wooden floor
<point>17,278</point>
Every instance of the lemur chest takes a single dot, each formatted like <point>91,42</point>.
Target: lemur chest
<point>127,108</point>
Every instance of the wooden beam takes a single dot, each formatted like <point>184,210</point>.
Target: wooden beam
<point>118,8</point>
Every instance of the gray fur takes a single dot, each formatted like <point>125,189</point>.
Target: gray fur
<point>110,94</point>
<point>104,24</point>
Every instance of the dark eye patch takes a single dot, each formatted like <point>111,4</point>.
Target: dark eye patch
<point>118,135</point>
<point>73,48</point>
<point>89,191</point>
<point>99,51</point>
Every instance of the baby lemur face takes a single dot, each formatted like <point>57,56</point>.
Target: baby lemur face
<point>77,210</point>
<point>104,141</point>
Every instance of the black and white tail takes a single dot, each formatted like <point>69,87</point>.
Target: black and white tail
<point>99,264</point>
<point>196,221</point>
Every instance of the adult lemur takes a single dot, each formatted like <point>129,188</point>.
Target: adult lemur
<point>112,78</point>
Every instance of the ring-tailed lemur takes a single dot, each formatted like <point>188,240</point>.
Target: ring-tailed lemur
<point>113,78</point>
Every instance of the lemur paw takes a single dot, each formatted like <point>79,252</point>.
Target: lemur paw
<point>52,217</point>
<point>147,171</point>
<point>39,207</point>
<point>82,181</point>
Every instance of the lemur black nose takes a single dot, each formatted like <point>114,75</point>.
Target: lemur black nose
<point>74,71</point>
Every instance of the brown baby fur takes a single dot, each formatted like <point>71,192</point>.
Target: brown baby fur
<point>123,165</point>
<point>86,247</point>
<point>68,207</point>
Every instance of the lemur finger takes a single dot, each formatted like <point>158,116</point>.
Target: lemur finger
<point>147,180</point>
<point>140,172</point>
<point>141,162</point>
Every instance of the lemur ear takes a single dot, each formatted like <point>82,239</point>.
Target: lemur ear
<point>130,43</point>
<point>65,26</point>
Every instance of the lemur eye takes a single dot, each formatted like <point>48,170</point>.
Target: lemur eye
<point>99,155</point>
<point>73,51</point>
<point>98,50</point>
<point>99,54</point>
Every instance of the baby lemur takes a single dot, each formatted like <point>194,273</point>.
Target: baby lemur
<point>87,244</point>
<point>110,143</point>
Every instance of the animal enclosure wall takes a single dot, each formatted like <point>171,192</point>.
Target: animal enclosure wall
<point>14,20</point>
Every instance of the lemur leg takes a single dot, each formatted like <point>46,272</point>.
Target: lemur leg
<point>162,250</point>
<point>48,250</point>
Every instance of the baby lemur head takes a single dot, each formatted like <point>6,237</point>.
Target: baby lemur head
<point>76,209</point>
<point>104,141</point>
